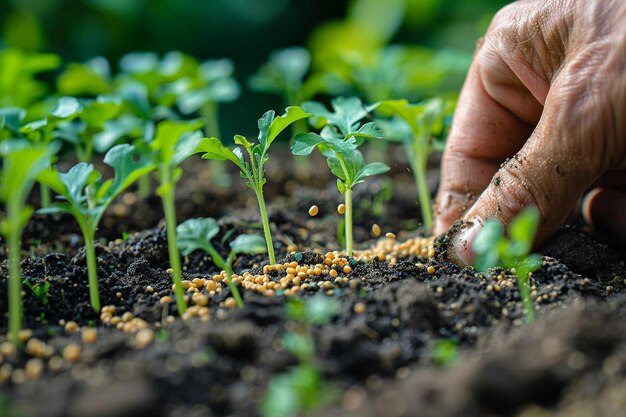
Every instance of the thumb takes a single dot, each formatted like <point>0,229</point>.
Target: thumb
<point>564,155</point>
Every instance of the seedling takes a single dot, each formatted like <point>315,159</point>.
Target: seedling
<point>39,289</point>
<point>196,234</point>
<point>445,352</point>
<point>86,197</point>
<point>494,249</point>
<point>302,388</point>
<point>417,126</point>
<point>22,162</point>
<point>253,170</point>
<point>173,144</point>
<point>341,135</point>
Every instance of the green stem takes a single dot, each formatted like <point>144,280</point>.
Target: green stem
<point>419,173</point>
<point>210,114</point>
<point>526,300</point>
<point>15,283</point>
<point>167,197</point>
<point>233,287</point>
<point>348,217</point>
<point>266,227</point>
<point>217,258</point>
<point>92,270</point>
<point>144,187</point>
<point>44,193</point>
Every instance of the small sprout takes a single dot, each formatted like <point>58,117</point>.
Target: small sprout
<point>445,352</point>
<point>22,162</point>
<point>494,249</point>
<point>376,230</point>
<point>253,170</point>
<point>341,135</point>
<point>417,126</point>
<point>341,209</point>
<point>313,211</point>
<point>39,289</point>
<point>86,197</point>
<point>196,234</point>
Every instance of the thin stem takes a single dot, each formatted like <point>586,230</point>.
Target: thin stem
<point>233,287</point>
<point>522,284</point>
<point>44,193</point>
<point>212,129</point>
<point>167,197</point>
<point>348,218</point>
<point>15,282</point>
<point>92,270</point>
<point>419,173</point>
<point>144,188</point>
<point>266,227</point>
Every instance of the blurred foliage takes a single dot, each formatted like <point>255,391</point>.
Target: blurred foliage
<point>377,49</point>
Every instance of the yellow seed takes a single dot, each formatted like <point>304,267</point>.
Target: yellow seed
<point>431,253</point>
<point>143,338</point>
<point>430,270</point>
<point>200,299</point>
<point>359,308</point>
<point>313,211</point>
<point>33,369</point>
<point>71,352</point>
<point>71,327</point>
<point>230,302</point>
<point>347,269</point>
<point>333,273</point>
<point>89,335</point>
<point>376,230</point>
<point>166,299</point>
<point>341,208</point>
<point>198,282</point>
<point>390,235</point>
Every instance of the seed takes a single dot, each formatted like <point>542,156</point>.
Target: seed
<point>24,335</point>
<point>143,338</point>
<point>333,273</point>
<point>127,316</point>
<point>431,253</point>
<point>198,282</point>
<point>341,208</point>
<point>200,299</point>
<point>347,269</point>
<point>230,302</point>
<point>186,284</point>
<point>376,230</point>
<point>430,270</point>
<point>390,235</point>
<point>71,352</point>
<point>89,335</point>
<point>71,327</point>
<point>359,308</point>
<point>313,211</point>
<point>33,369</point>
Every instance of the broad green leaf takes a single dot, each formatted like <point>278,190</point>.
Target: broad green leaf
<point>369,130</point>
<point>248,244</point>
<point>101,110</point>
<point>125,126</point>
<point>216,69</point>
<point>375,168</point>
<point>168,135</point>
<point>486,245</point>
<point>214,149</point>
<point>346,115</point>
<point>11,118</point>
<point>264,128</point>
<point>292,114</point>
<point>76,180</point>
<point>305,143</point>
<point>67,108</point>
<point>90,78</point>
<point>128,165</point>
<point>522,231</point>
<point>283,73</point>
<point>187,145</point>
<point>195,234</point>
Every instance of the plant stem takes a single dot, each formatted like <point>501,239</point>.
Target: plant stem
<point>144,187</point>
<point>217,258</point>
<point>266,227</point>
<point>44,193</point>
<point>15,283</point>
<point>348,223</point>
<point>233,287</point>
<point>419,173</point>
<point>212,129</point>
<point>522,284</point>
<point>167,197</point>
<point>92,270</point>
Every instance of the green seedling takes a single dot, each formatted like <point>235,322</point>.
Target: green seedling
<point>494,249</point>
<point>341,135</point>
<point>22,162</point>
<point>173,144</point>
<point>19,85</point>
<point>417,127</point>
<point>445,352</point>
<point>10,122</point>
<point>195,234</point>
<point>39,289</point>
<point>253,170</point>
<point>86,196</point>
<point>302,387</point>
<point>91,78</point>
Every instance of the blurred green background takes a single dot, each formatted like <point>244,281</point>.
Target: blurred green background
<point>245,31</point>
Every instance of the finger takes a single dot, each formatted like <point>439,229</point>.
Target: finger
<point>604,208</point>
<point>494,117</point>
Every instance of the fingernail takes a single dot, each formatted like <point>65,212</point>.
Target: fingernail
<point>462,241</point>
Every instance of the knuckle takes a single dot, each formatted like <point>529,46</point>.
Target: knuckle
<point>513,193</point>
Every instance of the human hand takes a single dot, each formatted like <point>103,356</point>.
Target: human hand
<point>541,119</point>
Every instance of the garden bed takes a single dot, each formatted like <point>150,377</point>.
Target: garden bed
<point>406,339</point>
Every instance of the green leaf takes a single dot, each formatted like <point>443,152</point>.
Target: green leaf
<point>195,234</point>
<point>375,168</point>
<point>90,78</point>
<point>341,186</point>
<point>305,143</point>
<point>292,114</point>
<point>241,140</point>
<point>171,143</point>
<point>283,73</point>
<point>214,149</point>
<point>11,118</point>
<point>486,245</point>
<point>128,164</point>
<point>101,110</point>
<point>346,115</point>
<point>321,309</point>
<point>522,231</point>
<point>67,108</point>
<point>300,345</point>
<point>248,244</point>
<point>370,131</point>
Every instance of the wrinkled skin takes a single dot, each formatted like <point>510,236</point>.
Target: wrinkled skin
<point>541,119</point>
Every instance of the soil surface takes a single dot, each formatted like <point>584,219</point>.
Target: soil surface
<point>382,359</point>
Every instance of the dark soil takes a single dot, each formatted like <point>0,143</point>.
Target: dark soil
<point>570,362</point>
